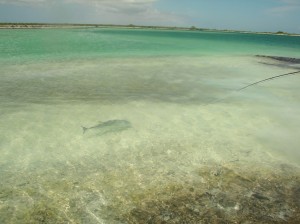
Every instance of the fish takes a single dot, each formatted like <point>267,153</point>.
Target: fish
<point>108,126</point>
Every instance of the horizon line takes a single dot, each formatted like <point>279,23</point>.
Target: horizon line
<point>192,28</point>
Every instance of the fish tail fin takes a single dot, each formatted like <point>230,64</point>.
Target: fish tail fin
<point>84,129</point>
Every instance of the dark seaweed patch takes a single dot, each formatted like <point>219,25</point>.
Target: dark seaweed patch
<point>229,198</point>
<point>215,194</point>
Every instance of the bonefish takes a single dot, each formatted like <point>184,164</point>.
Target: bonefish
<point>108,126</point>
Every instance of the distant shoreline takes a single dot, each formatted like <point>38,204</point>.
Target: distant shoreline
<point>131,26</point>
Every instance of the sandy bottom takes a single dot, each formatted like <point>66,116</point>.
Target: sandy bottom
<point>196,149</point>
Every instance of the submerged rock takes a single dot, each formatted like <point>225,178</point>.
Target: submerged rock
<point>282,59</point>
<point>283,62</point>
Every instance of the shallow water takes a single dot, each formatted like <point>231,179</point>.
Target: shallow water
<point>196,150</point>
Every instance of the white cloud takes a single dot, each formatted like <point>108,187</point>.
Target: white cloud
<point>111,4</point>
<point>23,2</point>
<point>131,11</point>
<point>286,7</point>
<point>112,11</point>
<point>136,12</point>
<point>291,2</point>
<point>120,6</point>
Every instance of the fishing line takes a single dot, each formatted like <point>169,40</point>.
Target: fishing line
<point>252,84</point>
<point>273,77</point>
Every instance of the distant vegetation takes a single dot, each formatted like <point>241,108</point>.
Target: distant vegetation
<point>132,26</point>
<point>281,32</point>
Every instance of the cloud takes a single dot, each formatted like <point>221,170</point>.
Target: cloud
<point>286,6</point>
<point>131,11</point>
<point>120,6</point>
<point>291,2</point>
<point>113,5</point>
<point>136,12</point>
<point>109,4</point>
<point>22,2</point>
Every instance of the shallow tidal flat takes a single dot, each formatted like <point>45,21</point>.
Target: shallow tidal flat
<point>168,139</point>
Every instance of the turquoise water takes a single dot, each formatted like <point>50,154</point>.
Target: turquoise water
<point>147,126</point>
<point>83,43</point>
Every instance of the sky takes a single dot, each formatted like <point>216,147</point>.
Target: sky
<point>248,15</point>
